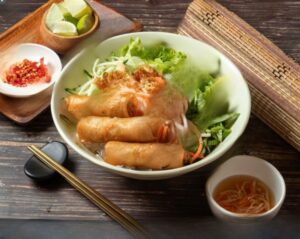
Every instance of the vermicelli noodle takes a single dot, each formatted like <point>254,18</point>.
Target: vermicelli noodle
<point>244,194</point>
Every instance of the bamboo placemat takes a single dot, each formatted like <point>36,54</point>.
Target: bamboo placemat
<point>273,77</point>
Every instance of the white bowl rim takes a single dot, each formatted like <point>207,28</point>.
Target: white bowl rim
<point>246,216</point>
<point>166,172</point>
<point>58,66</point>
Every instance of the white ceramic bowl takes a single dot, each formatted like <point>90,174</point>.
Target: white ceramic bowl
<point>202,54</point>
<point>33,52</point>
<point>251,166</point>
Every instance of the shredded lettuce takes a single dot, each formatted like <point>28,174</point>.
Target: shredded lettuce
<point>217,134</point>
<point>87,88</point>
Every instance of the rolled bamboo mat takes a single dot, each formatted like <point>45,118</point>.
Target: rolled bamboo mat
<point>273,77</point>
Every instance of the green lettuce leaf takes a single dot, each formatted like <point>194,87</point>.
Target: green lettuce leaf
<point>209,104</point>
<point>190,80</point>
<point>209,110</point>
<point>161,57</point>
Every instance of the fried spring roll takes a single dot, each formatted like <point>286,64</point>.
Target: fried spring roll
<point>144,156</point>
<point>136,129</point>
<point>112,104</point>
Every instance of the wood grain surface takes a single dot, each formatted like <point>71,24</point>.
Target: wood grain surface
<point>177,198</point>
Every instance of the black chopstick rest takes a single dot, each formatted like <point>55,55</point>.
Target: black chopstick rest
<point>37,170</point>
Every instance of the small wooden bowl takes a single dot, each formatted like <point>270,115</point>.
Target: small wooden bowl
<point>61,44</point>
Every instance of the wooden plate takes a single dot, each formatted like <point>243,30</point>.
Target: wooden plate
<point>24,110</point>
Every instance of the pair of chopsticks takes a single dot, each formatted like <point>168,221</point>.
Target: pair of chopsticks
<point>99,200</point>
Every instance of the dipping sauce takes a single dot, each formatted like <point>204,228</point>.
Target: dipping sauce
<point>244,194</point>
<point>27,72</point>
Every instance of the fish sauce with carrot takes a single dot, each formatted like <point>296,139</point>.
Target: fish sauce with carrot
<point>244,194</point>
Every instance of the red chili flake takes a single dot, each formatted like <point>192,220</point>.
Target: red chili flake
<point>27,72</point>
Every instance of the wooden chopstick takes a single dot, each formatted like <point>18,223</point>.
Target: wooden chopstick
<point>99,200</point>
<point>111,209</point>
<point>88,192</point>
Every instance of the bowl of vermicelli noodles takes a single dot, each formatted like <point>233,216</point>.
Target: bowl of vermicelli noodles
<point>151,105</point>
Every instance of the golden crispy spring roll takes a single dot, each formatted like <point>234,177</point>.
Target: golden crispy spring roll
<point>135,129</point>
<point>112,104</point>
<point>144,156</point>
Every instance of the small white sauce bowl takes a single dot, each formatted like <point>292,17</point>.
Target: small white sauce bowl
<point>251,166</point>
<point>33,52</point>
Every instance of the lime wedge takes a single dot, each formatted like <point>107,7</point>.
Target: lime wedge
<point>54,14</point>
<point>71,19</point>
<point>63,9</point>
<point>85,23</point>
<point>67,16</point>
<point>64,28</point>
<point>77,8</point>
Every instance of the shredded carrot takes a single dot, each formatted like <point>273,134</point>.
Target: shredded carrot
<point>198,152</point>
<point>159,134</point>
<point>162,134</point>
<point>165,133</point>
<point>243,195</point>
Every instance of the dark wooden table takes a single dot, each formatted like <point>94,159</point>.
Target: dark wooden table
<point>175,207</point>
